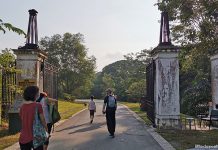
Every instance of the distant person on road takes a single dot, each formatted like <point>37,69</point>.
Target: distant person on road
<point>92,109</point>
<point>27,116</point>
<point>110,103</point>
<point>45,101</point>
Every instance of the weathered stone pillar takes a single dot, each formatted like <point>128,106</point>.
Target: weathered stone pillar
<point>166,84</point>
<point>30,61</point>
<point>166,87</point>
<point>214,78</point>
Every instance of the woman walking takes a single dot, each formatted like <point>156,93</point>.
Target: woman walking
<point>27,116</point>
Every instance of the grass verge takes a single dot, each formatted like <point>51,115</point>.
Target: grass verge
<point>180,139</point>
<point>66,109</point>
<point>136,108</point>
<point>7,139</point>
<point>185,139</point>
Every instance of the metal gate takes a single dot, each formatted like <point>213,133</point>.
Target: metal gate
<point>150,80</point>
<point>8,79</point>
<point>50,78</point>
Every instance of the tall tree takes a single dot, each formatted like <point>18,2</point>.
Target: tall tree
<point>126,77</point>
<point>76,69</point>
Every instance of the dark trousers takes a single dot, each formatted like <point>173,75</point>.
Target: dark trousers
<point>111,121</point>
<point>92,113</point>
<point>49,125</point>
<point>29,146</point>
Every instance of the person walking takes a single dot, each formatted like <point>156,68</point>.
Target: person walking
<point>92,109</point>
<point>110,104</point>
<point>27,116</point>
<point>45,102</point>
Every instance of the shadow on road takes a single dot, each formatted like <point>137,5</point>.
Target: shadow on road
<point>89,128</point>
<point>72,127</point>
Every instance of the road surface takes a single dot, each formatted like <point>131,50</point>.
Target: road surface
<point>78,134</point>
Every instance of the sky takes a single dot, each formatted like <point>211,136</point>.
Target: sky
<point>111,28</point>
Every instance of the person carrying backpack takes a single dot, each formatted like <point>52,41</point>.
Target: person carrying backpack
<point>110,103</point>
<point>45,102</point>
<point>27,115</point>
<point>92,108</point>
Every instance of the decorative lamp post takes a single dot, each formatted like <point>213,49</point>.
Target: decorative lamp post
<point>30,60</point>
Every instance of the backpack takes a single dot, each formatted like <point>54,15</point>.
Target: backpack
<point>39,133</point>
<point>55,115</point>
<point>111,101</point>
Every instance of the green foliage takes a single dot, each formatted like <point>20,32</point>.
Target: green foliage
<point>68,97</point>
<point>137,89</point>
<point>125,77</point>
<point>76,69</point>
<point>196,97</point>
<point>108,82</point>
<point>7,58</point>
<point>10,27</point>
<point>7,63</point>
<point>97,89</point>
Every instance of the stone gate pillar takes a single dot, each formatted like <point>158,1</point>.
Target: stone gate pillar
<point>166,84</point>
<point>30,60</point>
<point>214,78</point>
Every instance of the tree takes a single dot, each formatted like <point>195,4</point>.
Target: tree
<point>7,63</point>
<point>136,90</point>
<point>69,54</point>
<point>7,58</point>
<point>123,76</point>
<point>108,82</point>
<point>10,27</point>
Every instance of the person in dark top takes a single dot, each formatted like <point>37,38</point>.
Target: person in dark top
<point>110,103</point>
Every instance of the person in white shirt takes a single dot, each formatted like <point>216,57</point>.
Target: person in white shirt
<point>92,108</point>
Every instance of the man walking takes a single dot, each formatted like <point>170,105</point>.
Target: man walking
<point>111,105</point>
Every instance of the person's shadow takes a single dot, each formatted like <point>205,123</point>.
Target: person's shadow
<point>89,128</point>
<point>72,127</point>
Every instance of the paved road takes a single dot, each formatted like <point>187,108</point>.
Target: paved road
<point>78,134</point>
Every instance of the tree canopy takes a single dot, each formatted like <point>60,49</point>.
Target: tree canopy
<point>126,77</point>
<point>76,69</point>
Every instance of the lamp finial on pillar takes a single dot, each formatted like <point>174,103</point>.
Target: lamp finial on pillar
<point>32,32</point>
<point>164,30</point>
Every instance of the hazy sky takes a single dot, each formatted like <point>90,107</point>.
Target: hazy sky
<point>111,28</point>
